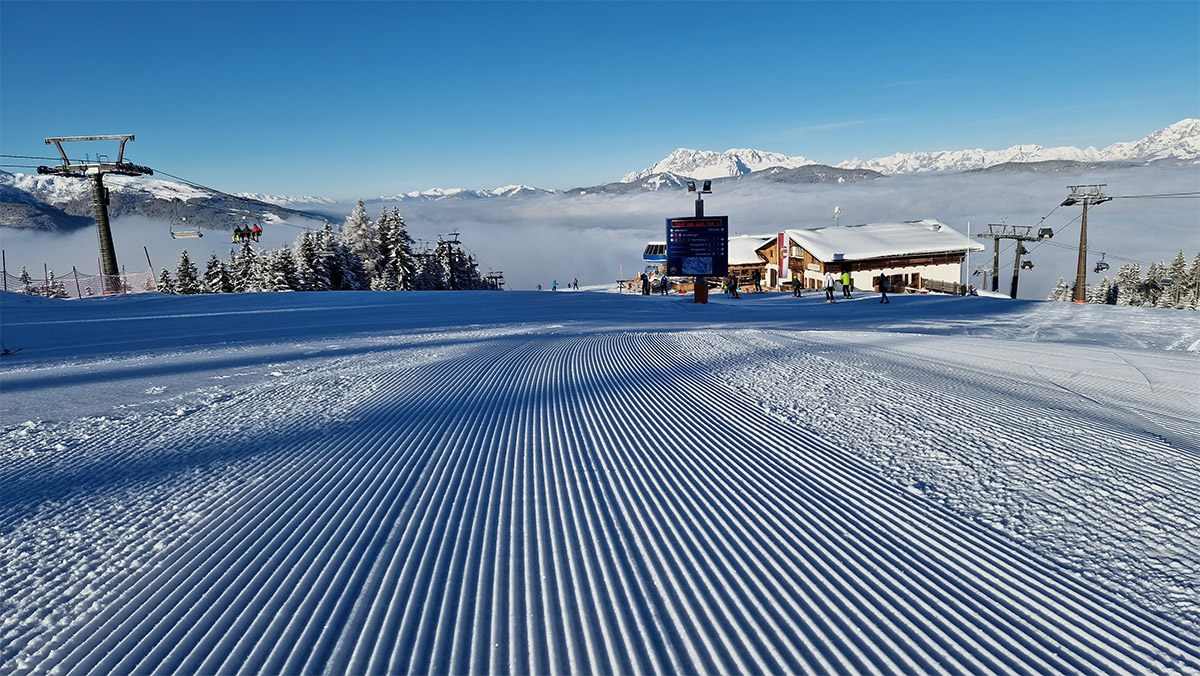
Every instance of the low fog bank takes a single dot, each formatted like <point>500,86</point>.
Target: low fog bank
<point>595,237</point>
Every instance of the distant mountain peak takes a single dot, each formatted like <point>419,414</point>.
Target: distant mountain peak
<point>707,164</point>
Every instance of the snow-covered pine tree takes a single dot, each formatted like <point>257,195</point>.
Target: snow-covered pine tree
<point>1129,278</point>
<point>1152,286</point>
<point>444,265</point>
<point>361,237</point>
<point>1191,292</point>
<point>282,270</point>
<point>383,276</point>
<point>428,275</point>
<point>216,277</point>
<point>402,256</point>
<point>1177,273</point>
<point>305,254</point>
<point>244,269</point>
<point>187,278</point>
<point>55,287</point>
<point>27,286</point>
<point>165,283</point>
<point>1061,292</point>
<point>1098,293</point>
<point>343,267</point>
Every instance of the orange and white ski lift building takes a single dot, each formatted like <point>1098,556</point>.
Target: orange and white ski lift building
<point>924,254</point>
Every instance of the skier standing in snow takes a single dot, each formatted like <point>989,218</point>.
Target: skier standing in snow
<point>884,285</point>
<point>757,276</point>
<point>796,282</point>
<point>829,287</point>
<point>846,284</point>
<point>664,286</point>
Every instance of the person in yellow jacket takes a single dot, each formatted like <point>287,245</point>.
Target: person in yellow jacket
<point>846,284</point>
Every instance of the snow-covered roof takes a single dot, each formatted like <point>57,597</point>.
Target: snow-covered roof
<point>742,249</point>
<point>880,240</point>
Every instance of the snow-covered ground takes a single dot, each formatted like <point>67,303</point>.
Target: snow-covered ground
<point>600,483</point>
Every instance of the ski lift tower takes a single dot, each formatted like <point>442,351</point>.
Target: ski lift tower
<point>1085,194</point>
<point>1019,233</point>
<point>96,171</point>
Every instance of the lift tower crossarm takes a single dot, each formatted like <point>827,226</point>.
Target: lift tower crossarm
<point>119,167</point>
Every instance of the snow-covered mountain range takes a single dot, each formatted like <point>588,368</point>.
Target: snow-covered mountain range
<point>1180,142</point>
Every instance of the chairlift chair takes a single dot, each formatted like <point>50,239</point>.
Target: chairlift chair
<point>1027,265</point>
<point>1045,233</point>
<point>184,234</point>
<point>1101,266</point>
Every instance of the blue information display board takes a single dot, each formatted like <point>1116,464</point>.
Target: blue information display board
<point>698,246</point>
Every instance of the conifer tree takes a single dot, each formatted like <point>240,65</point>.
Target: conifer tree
<point>1061,292</point>
<point>187,278</point>
<point>1177,273</point>
<point>1152,287</point>
<point>398,245</point>
<point>244,269</point>
<point>1098,294</point>
<point>428,274</point>
<point>305,255</point>
<point>361,236</point>
<point>27,286</point>
<point>281,267</point>
<point>165,284</point>
<point>55,288</point>
<point>443,256</point>
<point>216,277</point>
<point>1128,283</point>
<point>1191,292</point>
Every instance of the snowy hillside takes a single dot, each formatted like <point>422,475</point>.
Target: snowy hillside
<point>65,203</point>
<point>579,482</point>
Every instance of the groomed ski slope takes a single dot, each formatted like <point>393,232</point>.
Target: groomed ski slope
<point>580,482</point>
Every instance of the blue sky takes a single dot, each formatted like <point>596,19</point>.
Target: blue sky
<point>361,99</point>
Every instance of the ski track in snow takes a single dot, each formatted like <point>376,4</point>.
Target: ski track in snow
<point>571,499</point>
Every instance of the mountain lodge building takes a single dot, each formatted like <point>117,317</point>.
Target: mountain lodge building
<point>913,254</point>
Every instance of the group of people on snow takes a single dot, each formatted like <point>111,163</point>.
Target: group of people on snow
<point>731,285</point>
<point>574,284</point>
<point>831,281</point>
